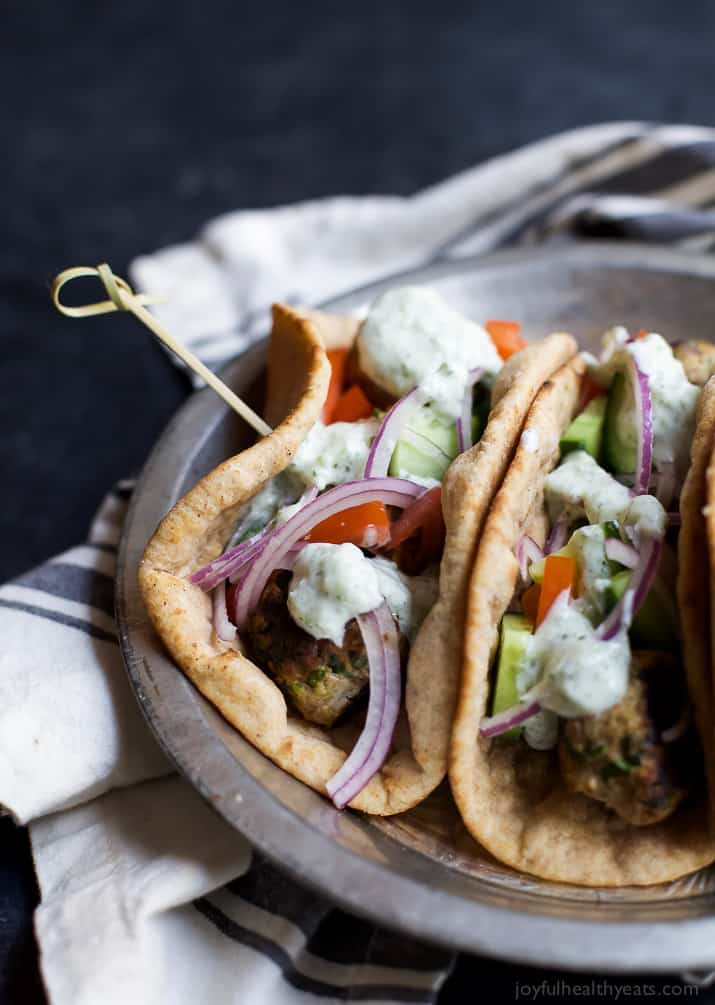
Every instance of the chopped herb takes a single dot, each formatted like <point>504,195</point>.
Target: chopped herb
<point>614,768</point>
<point>316,677</point>
<point>335,663</point>
<point>630,751</point>
<point>250,532</point>
<point>589,753</point>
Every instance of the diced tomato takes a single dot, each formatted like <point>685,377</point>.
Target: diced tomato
<point>351,406</point>
<point>338,359</point>
<point>506,337</point>
<point>367,526</point>
<point>558,576</point>
<point>589,390</point>
<point>423,517</point>
<point>530,601</point>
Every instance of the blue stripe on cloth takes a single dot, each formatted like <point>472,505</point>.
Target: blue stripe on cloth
<point>331,933</point>
<point>61,619</point>
<point>72,582</point>
<point>302,982</point>
<point>668,167</point>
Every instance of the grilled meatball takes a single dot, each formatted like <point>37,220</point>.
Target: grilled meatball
<point>618,757</point>
<point>321,680</point>
<point>698,359</point>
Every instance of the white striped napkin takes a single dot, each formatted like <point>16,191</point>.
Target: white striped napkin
<point>146,896</point>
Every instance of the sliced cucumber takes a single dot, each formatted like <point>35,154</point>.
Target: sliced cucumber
<point>586,430</point>
<point>428,446</point>
<point>516,631</point>
<point>619,444</point>
<point>410,458</point>
<point>655,625</point>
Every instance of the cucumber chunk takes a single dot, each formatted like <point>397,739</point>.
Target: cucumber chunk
<point>655,625</point>
<point>428,446</point>
<point>619,442</point>
<point>516,631</point>
<point>586,430</point>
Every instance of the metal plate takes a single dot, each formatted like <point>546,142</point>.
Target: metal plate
<point>421,872</point>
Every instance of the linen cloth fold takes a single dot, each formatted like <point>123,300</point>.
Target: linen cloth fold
<point>146,895</point>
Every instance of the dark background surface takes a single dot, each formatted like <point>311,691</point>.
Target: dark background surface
<point>126,126</point>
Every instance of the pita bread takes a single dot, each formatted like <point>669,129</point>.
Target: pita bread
<point>694,586</point>
<point>512,799</point>
<point>197,528</point>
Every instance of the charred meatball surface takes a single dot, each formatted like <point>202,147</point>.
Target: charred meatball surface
<point>619,757</point>
<point>318,678</point>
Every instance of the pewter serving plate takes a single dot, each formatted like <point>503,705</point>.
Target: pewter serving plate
<point>421,872</point>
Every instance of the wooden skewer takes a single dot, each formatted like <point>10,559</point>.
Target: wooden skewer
<point>123,298</point>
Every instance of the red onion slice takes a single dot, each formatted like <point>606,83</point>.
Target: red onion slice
<point>644,426</point>
<point>619,551</point>
<point>222,626</point>
<point>495,725</point>
<point>637,590</point>
<point>289,560</point>
<point>229,565</point>
<point>527,551</point>
<point>224,565</point>
<point>369,753</point>
<point>558,535</point>
<point>391,491</point>
<point>464,420</point>
<point>389,430</point>
<point>679,727</point>
<point>258,547</point>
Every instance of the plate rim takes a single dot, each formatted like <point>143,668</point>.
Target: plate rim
<point>403,903</point>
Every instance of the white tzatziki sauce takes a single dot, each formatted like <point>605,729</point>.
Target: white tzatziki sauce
<point>333,583</point>
<point>588,547</point>
<point>336,453</point>
<point>541,731</point>
<point>673,398</point>
<point>580,487</point>
<point>285,513</point>
<point>578,674</point>
<point>412,336</point>
<point>265,505</point>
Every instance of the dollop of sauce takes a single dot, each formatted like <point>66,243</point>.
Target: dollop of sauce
<point>412,336</point>
<point>588,546</point>
<point>333,583</point>
<point>336,453</point>
<point>541,731</point>
<point>673,397</point>
<point>580,487</point>
<point>578,673</point>
<point>272,500</point>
